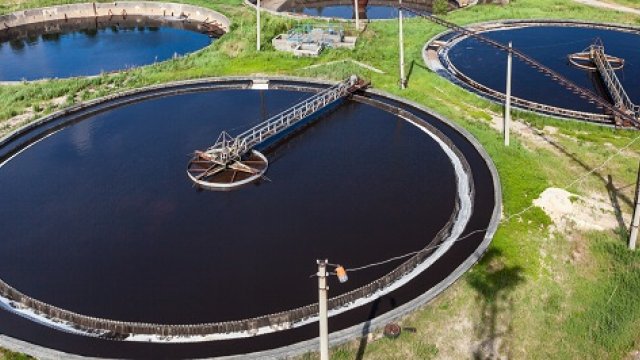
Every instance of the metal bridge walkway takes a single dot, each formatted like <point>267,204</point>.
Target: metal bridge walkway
<point>233,161</point>
<point>619,115</point>
<point>617,92</point>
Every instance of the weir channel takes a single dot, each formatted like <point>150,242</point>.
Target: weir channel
<point>99,219</point>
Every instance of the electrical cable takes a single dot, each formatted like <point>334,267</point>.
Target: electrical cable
<point>569,185</point>
<point>505,220</point>
<point>411,253</point>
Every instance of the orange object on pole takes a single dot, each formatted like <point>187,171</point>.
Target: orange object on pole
<point>342,274</point>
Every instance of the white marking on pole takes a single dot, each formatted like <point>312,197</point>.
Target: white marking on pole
<point>507,107</point>
<point>323,309</point>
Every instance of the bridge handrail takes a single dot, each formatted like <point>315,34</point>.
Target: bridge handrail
<point>294,107</point>
<point>568,84</point>
<point>528,104</point>
<point>227,149</point>
<point>612,81</point>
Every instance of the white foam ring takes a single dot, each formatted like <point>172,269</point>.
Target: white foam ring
<point>462,218</point>
<point>26,148</point>
<point>30,314</point>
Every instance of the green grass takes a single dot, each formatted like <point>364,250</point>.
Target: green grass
<point>10,355</point>
<point>607,322</point>
<point>528,291</point>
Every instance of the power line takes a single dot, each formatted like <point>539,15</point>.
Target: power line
<point>563,81</point>
<point>504,220</point>
<point>427,249</point>
<point>581,178</point>
<point>400,257</point>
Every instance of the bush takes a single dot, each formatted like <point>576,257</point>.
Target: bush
<point>440,7</point>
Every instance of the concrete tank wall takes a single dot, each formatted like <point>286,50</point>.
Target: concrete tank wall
<point>140,8</point>
<point>273,7</point>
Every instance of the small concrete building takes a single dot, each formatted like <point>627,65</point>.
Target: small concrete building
<point>310,40</point>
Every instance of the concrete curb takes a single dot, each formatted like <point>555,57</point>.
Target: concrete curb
<point>91,10</point>
<point>338,337</point>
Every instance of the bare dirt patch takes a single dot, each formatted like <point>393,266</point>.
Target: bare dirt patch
<point>609,5</point>
<point>569,210</point>
<point>635,355</point>
<point>532,138</point>
<point>59,101</point>
<point>17,120</point>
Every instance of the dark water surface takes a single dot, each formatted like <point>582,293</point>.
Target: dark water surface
<point>549,45</point>
<point>346,11</point>
<point>89,47</point>
<point>101,218</point>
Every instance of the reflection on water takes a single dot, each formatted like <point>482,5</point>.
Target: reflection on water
<point>345,9</point>
<point>90,46</point>
<point>81,136</point>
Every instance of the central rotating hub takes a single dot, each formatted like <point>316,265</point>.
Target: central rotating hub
<point>233,161</point>
<point>211,175</point>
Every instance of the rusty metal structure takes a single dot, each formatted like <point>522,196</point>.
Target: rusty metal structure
<point>607,73</point>
<point>622,116</point>
<point>234,161</point>
<point>62,319</point>
<point>585,59</point>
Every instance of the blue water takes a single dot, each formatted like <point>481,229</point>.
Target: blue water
<point>549,45</point>
<point>345,9</point>
<point>346,12</point>
<point>93,51</point>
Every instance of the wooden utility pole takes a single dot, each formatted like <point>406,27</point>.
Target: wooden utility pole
<point>403,79</point>
<point>356,7</point>
<point>507,107</point>
<point>258,26</point>
<point>322,305</point>
<point>633,236</point>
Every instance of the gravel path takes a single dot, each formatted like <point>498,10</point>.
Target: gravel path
<point>610,6</point>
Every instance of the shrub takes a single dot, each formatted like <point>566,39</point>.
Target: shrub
<point>440,7</point>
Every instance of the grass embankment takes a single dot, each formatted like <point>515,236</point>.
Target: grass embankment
<point>9,355</point>
<point>540,291</point>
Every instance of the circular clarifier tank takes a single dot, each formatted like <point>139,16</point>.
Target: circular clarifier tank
<point>482,68</point>
<point>99,219</point>
<point>345,9</point>
<point>93,45</point>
